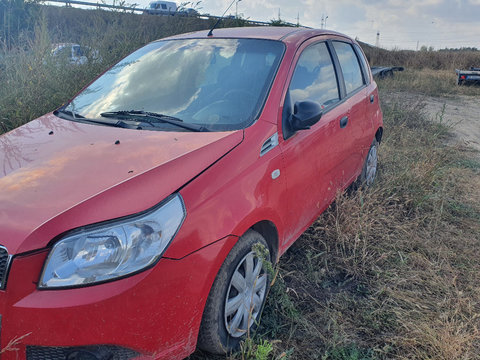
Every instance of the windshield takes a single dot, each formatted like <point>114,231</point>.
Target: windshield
<point>220,84</point>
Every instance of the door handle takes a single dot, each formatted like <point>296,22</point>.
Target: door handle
<point>344,122</point>
<point>372,99</point>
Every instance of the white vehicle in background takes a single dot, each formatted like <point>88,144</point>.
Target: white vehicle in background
<point>161,8</point>
<point>74,54</point>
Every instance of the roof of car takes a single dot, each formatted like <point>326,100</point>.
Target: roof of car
<point>257,32</point>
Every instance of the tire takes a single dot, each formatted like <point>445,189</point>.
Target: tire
<point>237,297</point>
<point>369,170</point>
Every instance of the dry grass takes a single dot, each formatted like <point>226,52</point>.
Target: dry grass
<point>435,60</point>
<point>13,345</point>
<point>428,82</point>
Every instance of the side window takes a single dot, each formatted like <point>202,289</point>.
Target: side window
<point>350,66</point>
<point>364,63</point>
<point>314,77</point>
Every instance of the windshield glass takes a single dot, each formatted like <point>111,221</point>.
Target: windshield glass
<point>218,83</point>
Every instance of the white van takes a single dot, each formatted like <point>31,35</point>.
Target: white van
<point>161,8</point>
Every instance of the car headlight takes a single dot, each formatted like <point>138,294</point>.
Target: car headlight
<point>114,249</point>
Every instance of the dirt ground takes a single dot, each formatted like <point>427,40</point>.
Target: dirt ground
<point>460,112</point>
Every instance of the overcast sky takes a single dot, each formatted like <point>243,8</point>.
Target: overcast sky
<point>401,23</point>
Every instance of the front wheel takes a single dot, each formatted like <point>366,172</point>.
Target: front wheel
<point>237,297</point>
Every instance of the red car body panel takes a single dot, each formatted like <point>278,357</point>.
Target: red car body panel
<point>79,176</point>
<point>256,195</point>
<point>55,182</point>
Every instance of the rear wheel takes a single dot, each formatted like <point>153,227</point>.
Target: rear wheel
<point>237,297</point>
<point>369,171</point>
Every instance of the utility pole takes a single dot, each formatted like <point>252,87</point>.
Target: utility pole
<point>236,8</point>
<point>418,43</point>
<point>323,23</point>
<point>377,43</point>
<point>279,14</point>
<point>298,19</point>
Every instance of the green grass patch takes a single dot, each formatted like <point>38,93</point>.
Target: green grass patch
<point>468,163</point>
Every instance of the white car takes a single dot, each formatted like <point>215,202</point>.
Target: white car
<point>74,54</point>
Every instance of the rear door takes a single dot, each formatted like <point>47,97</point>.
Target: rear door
<point>357,134</point>
<point>373,112</point>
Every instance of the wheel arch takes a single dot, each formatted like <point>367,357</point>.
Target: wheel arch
<point>379,134</point>
<point>269,231</point>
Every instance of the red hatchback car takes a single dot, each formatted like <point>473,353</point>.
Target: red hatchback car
<point>129,216</point>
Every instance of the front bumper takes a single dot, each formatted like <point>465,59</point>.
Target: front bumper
<point>155,314</point>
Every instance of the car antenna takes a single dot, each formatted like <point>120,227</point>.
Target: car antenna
<point>210,33</point>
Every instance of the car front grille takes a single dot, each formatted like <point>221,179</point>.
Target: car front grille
<point>4,263</point>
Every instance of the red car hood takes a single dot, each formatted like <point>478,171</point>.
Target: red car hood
<point>56,175</point>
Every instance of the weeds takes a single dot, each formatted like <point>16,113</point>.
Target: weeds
<point>422,60</point>
<point>13,344</point>
<point>428,82</point>
<point>261,351</point>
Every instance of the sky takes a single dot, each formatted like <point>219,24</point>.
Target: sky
<point>401,23</point>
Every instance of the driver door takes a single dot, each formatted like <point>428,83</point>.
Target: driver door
<point>313,157</point>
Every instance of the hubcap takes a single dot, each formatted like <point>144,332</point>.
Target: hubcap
<point>371,165</point>
<point>245,295</point>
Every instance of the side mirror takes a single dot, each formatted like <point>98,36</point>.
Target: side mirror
<point>305,114</point>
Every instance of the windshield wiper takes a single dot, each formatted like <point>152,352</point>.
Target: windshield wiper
<point>152,118</point>
<point>70,115</point>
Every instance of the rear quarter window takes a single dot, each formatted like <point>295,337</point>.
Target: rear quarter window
<point>364,64</point>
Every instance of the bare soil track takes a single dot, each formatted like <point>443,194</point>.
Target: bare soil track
<point>461,112</point>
